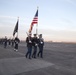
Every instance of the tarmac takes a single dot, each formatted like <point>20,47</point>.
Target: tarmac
<point>58,59</point>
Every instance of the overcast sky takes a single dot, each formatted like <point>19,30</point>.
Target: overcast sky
<point>56,18</point>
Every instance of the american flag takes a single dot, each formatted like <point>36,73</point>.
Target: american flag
<point>34,21</point>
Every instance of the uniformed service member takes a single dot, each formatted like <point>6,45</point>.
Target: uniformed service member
<point>16,43</point>
<point>40,45</point>
<point>29,45</point>
<point>5,42</point>
<point>35,44</point>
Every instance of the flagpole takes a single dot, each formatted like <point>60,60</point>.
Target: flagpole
<point>13,37</point>
<point>37,25</point>
<point>37,29</point>
<point>18,26</point>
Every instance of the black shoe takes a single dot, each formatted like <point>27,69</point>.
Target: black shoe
<point>26,56</point>
<point>41,57</point>
<point>29,58</point>
<point>35,57</point>
<point>38,55</point>
<point>32,56</point>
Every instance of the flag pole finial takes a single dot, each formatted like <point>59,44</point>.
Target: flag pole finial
<point>18,17</point>
<point>37,7</point>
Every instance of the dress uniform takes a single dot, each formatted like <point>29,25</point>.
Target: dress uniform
<point>12,41</point>
<point>16,44</point>
<point>40,45</point>
<point>35,44</point>
<point>29,46</point>
<point>5,42</point>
